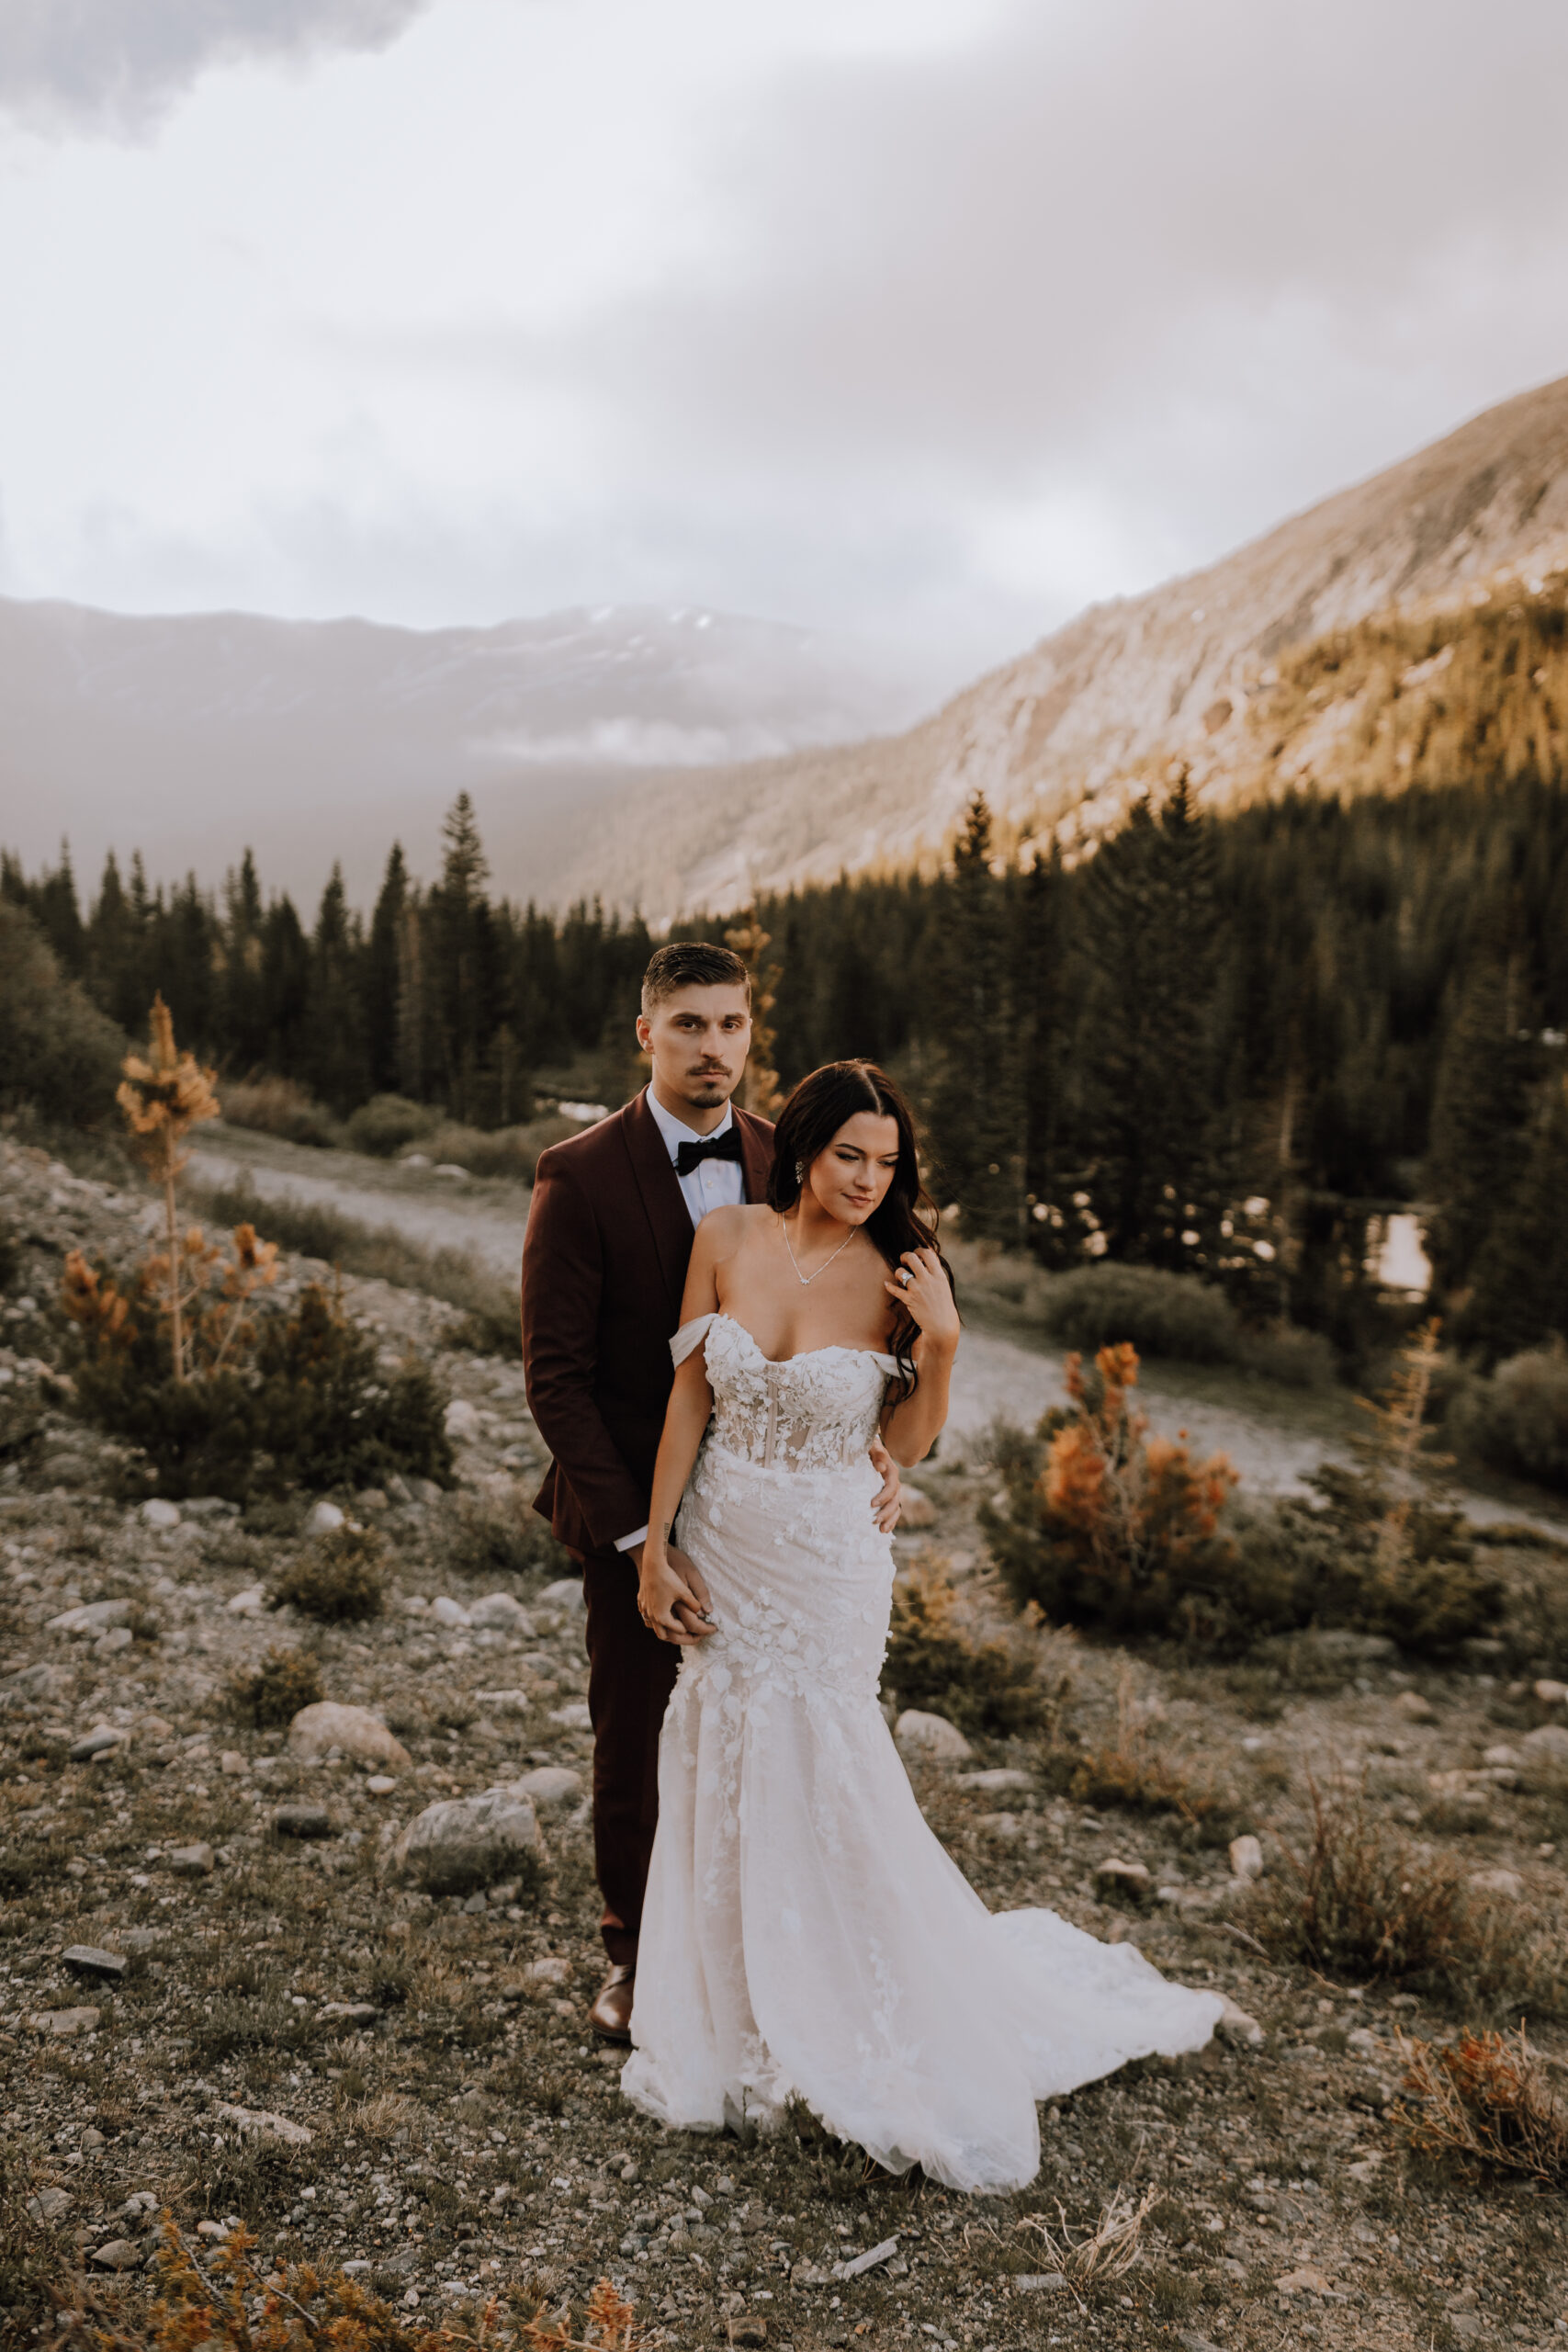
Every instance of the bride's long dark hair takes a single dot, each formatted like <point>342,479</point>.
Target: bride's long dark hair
<point>906,1217</point>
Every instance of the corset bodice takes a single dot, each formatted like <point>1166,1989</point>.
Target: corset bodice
<point>816,1411</point>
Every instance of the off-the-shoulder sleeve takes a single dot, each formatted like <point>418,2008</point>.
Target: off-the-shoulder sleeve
<point>689,1337</point>
<point>890,1364</point>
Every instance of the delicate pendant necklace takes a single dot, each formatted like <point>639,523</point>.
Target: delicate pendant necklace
<point>806,1281</point>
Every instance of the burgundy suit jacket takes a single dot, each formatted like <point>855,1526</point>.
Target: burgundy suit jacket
<point>604,1267</point>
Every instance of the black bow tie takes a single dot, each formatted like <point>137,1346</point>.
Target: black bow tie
<point>724,1146</point>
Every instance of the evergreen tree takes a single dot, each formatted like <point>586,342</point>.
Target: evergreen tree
<point>1521,1271</point>
<point>1146,1045</point>
<point>381,976</point>
<point>243,999</point>
<point>975,1129</point>
<point>286,986</point>
<point>334,1065</point>
<point>464,974</point>
<point>1479,1109</point>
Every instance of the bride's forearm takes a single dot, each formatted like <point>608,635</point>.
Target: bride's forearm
<point>912,1428</point>
<point>686,1418</point>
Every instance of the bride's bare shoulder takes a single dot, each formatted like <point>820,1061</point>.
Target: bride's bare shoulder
<point>724,1231</point>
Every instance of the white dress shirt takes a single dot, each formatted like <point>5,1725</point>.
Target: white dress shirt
<point>712,1184</point>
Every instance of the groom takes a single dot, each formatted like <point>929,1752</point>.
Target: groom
<point>604,1260</point>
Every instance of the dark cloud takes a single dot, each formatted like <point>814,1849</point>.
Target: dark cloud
<point>117,65</point>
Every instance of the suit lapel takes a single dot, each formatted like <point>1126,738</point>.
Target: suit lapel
<point>667,1211</point>
<point>757,1154</point>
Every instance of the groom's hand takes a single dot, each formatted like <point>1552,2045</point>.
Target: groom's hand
<point>888,1504</point>
<point>671,1599</point>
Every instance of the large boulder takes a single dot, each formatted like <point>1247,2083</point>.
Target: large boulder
<point>921,1735</point>
<point>464,1843</point>
<point>502,1614</point>
<point>550,1786</point>
<point>353,1731</point>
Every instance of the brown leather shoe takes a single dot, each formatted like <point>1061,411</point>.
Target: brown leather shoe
<point>611,2016</point>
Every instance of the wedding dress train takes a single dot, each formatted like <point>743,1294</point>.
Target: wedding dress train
<point>805,1933</point>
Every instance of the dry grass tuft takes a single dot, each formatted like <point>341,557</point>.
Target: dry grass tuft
<point>1486,2100</point>
<point>1136,1776</point>
<point>1095,2256</point>
<point>991,1683</point>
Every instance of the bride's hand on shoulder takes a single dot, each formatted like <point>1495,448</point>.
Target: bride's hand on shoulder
<point>920,1283</point>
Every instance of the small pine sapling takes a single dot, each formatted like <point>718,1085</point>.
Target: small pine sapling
<point>163,1097</point>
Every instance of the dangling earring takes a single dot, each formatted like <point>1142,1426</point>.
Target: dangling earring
<point>800,1171</point>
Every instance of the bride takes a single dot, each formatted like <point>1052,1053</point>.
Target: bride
<point>805,1934</point>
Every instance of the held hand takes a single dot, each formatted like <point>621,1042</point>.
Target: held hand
<point>672,1598</point>
<point>919,1284</point>
<point>888,1502</point>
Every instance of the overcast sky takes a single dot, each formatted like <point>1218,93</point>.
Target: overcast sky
<point>927,319</point>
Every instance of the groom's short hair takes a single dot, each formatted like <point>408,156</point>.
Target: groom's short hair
<point>692,964</point>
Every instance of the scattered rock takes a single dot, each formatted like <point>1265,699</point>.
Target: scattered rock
<point>1502,1758</point>
<point>565,1593</point>
<point>97,1742</point>
<point>1039,2282</point>
<point>502,1614</point>
<point>573,1716</point>
<point>1550,1740</point>
<point>1242,2031</point>
<point>859,2263</point>
<point>156,1512</point>
<point>88,1959</point>
<point>551,1972</point>
<point>381,1784</point>
<point>324,1518</point>
<point>260,2123</point>
<point>93,1617</point>
<point>503,1702</point>
<point>1127,1881</point>
<point>48,2204</point>
<point>355,1731</point>
<point>64,2022</point>
<point>999,1778</point>
<point>118,1637</point>
<point>550,1786</point>
<point>304,1820</point>
<point>1413,1708</point>
<point>1307,2280</point>
<point>349,2012</point>
<point>462,1422</point>
<point>931,1736</point>
<point>447,1612</point>
<point>1247,1858</point>
<point>372,1498</point>
<point>1498,1882</point>
<point>120,2253</point>
<point>1551,1694</point>
<point>916,1509</point>
<point>467,1842</point>
<point>191,1861</point>
<point>233,1763</point>
<point>251,1602</point>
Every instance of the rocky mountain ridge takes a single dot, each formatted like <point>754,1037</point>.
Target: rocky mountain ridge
<point>1061,740</point>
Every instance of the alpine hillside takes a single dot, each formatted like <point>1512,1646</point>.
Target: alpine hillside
<point>1406,630</point>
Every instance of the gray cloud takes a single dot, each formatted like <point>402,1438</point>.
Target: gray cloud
<point>117,64</point>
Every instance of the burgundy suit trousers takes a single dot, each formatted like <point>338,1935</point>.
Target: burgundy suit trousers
<point>630,1676</point>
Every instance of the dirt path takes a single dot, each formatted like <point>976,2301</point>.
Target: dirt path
<point>997,1372</point>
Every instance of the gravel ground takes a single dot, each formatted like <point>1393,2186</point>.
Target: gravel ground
<point>371,2076</point>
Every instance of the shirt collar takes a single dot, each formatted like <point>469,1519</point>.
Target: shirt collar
<point>675,1131</point>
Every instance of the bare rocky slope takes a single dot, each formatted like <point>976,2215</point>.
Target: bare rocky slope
<point>1060,739</point>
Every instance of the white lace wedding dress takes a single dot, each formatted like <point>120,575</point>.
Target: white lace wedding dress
<point>804,1932</point>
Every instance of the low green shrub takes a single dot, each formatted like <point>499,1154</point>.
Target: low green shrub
<point>59,1057</point>
<point>311,1408</point>
<point>492,1539</point>
<point>936,1661</point>
<point>280,1106</point>
<point>340,1579</point>
<point>388,1123</point>
<point>1518,1421</point>
<point>1284,1352</point>
<point>1159,1314</point>
<point>285,1681</point>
